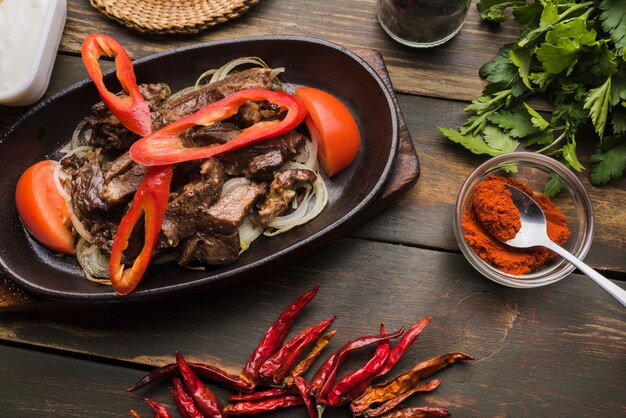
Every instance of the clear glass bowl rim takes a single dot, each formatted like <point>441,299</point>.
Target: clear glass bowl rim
<point>534,279</point>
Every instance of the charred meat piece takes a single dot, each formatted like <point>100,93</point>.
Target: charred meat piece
<point>228,213</point>
<point>185,210</point>
<point>282,191</point>
<point>118,166</point>
<point>254,78</point>
<point>123,187</point>
<point>238,162</point>
<point>251,112</point>
<point>107,131</point>
<point>210,249</point>
<point>87,185</point>
<point>218,133</point>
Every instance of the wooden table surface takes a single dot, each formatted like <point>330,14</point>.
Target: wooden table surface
<point>553,351</point>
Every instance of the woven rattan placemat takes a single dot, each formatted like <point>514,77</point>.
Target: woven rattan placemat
<point>172,16</point>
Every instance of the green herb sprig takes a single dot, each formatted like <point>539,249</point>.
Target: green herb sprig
<point>571,53</point>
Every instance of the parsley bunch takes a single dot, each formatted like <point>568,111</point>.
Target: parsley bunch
<point>572,53</point>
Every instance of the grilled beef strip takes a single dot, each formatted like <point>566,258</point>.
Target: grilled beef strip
<point>282,191</point>
<point>228,213</point>
<point>210,249</point>
<point>186,208</point>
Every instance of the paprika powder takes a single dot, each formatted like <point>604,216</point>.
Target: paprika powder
<point>493,215</point>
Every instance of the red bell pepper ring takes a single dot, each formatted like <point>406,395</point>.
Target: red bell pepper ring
<point>132,110</point>
<point>150,201</point>
<point>166,147</point>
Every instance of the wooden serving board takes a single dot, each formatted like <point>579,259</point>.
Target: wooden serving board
<point>404,175</point>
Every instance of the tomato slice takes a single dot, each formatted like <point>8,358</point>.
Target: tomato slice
<point>42,208</point>
<point>332,124</point>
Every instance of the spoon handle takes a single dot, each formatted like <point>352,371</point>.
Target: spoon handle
<point>613,289</point>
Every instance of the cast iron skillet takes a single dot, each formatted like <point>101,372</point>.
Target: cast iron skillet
<point>49,125</point>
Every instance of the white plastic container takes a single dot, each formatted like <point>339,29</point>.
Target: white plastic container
<point>30,32</point>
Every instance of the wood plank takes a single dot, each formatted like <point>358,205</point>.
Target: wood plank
<point>35,384</point>
<point>556,349</point>
<point>423,216</point>
<point>448,71</point>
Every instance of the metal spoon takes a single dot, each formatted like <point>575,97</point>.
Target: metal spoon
<point>533,232</point>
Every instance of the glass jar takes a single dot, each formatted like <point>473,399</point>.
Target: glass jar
<point>422,23</point>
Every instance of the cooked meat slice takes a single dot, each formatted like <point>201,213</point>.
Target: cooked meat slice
<point>87,185</point>
<point>108,132</point>
<point>251,112</point>
<point>194,100</point>
<point>210,249</point>
<point>103,231</point>
<point>237,163</point>
<point>121,188</point>
<point>282,191</point>
<point>185,209</point>
<point>264,165</point>
<point>118,166</point>
<point>218,133</point>
<point>228,213</point>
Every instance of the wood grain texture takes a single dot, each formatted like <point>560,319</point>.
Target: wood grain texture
<point>449,71</point>
<point>539,352</point>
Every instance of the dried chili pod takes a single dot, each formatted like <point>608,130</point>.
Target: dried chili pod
<point>277,366</point>
<point>184,401</point>
<point>248,408</point>
<point>205,399</point>
<point>159,409</point>
<point>323,381</point>
<point>393,403</point>
<point>304,365</point>
<point>205,370</point>
<point>303,389</point>
<point>262,395</point>
<point>340,394</point>
<point>134,414</point>
<point>394,355</point>
<point>388,390</point>
<point>418,412</point>
<point>274,337</point>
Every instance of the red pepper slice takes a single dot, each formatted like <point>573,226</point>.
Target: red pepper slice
<point>166,147</point>
<point>132,111</point>
<point>150,201</point>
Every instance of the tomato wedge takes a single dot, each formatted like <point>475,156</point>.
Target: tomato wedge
<point>42,208</point>
<point>331,123</point>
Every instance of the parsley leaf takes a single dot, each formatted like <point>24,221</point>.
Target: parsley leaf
<point>494,143</point>
<point>608,164</point>
<point>613,20</point>
<point>515,121</point>
<point>502,74</point>
<point>597,102</point>
<point>493,10</point>
<point>536,119</point>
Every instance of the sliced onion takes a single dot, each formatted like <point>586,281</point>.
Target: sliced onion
<point>78,225</point>
<point>248,232</point>
<point>287,222</point>
<point>93,262</point>
<point>203,76</point>
<point>56,179</point>
<point>75,140</point>
<point>225,69</point>
<point>232,184</point>
<point>308,156</point>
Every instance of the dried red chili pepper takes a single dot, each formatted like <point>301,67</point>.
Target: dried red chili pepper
<point>393,403</point>
<point>166,147</point>
<point>303,389</point>
<point>388,390</point>
<point>184,401</point>
<point>274,337</point>
<point>418,412</point>
<point>134,414</point>
<point>262,395</point>
<point>159,409</point>
<point>131,110</point>
<point>277,366</point>
<point>304,365</point>
<point>205,399</point>
<point>394,355</point>
<point>340,394</point>
<point>212,373</point>
<point>323,381</point>
<point>248,408</point>
<point>150,201</point>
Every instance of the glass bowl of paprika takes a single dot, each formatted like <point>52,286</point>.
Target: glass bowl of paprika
<point>484,210</point>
